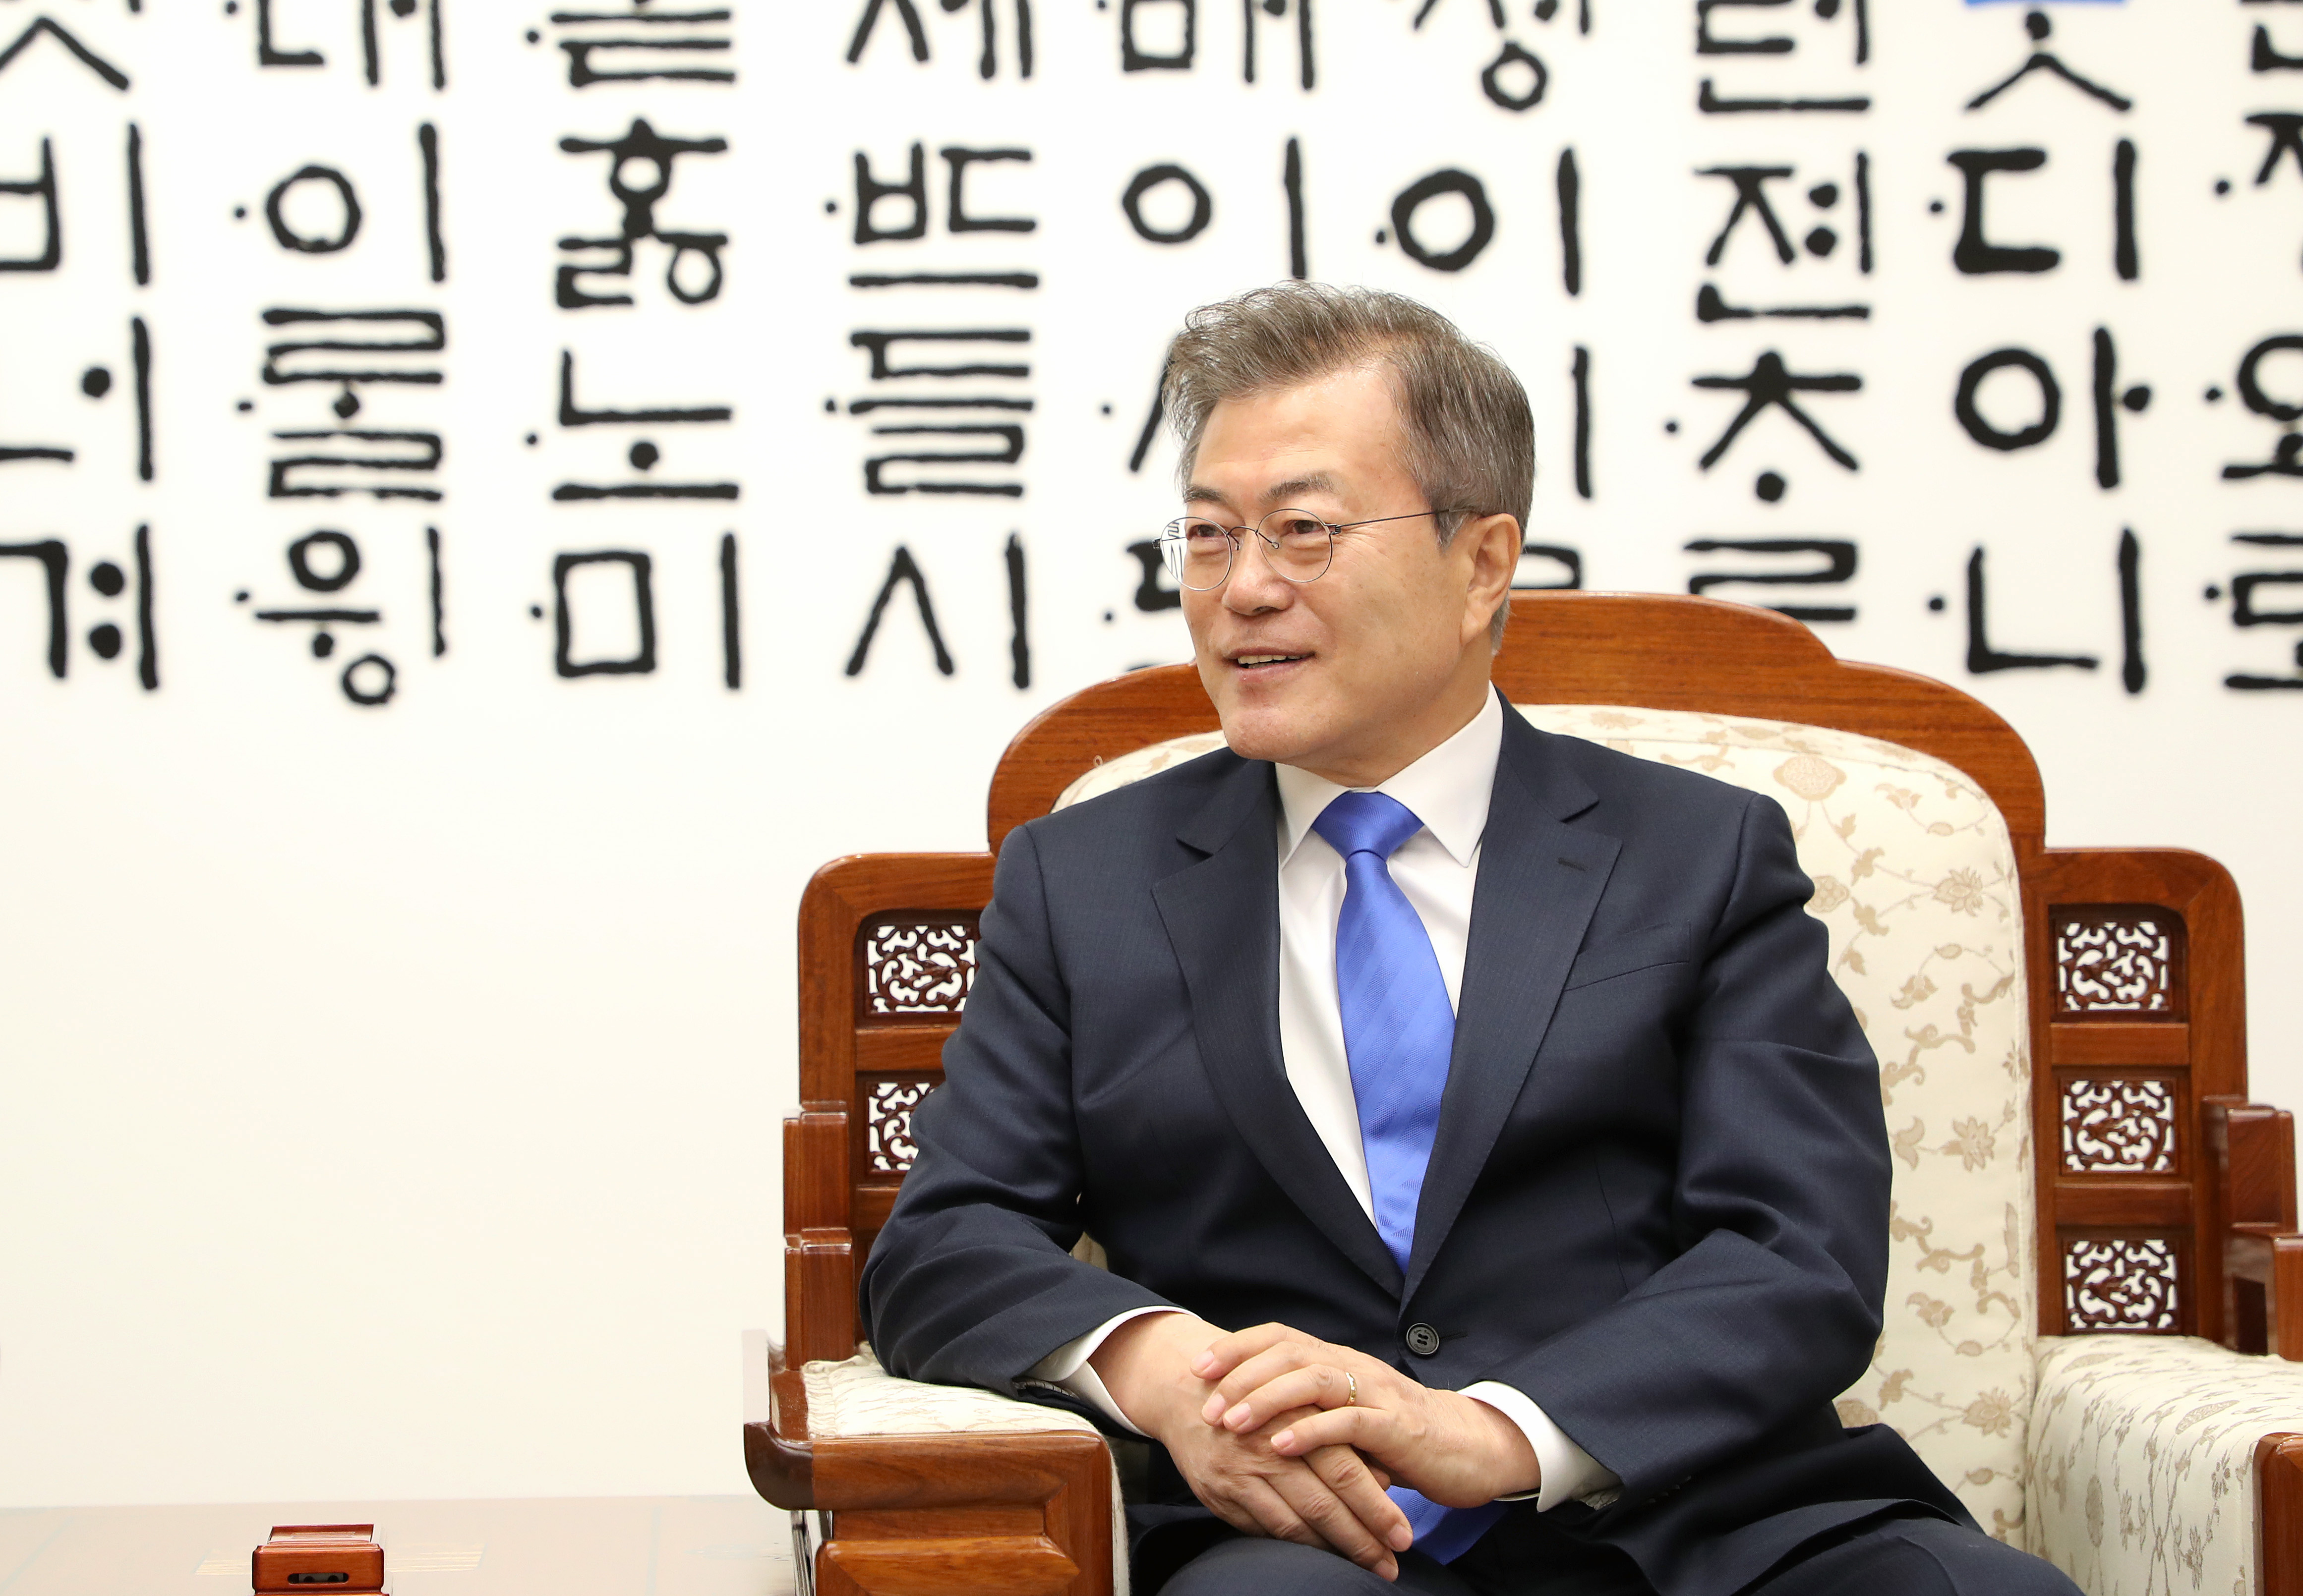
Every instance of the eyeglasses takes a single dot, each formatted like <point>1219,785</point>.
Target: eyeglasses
<point>1298,545</point>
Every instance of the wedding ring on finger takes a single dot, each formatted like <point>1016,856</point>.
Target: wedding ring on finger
<point>1351,1390</point>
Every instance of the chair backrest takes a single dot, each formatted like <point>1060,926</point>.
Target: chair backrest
<point>2129,959</point>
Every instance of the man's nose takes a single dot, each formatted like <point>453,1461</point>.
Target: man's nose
<point>1252,584</point>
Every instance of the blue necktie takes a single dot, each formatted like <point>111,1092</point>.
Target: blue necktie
<point>1399,1032</point>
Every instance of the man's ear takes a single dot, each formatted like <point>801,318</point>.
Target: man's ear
<point>1495,544</point>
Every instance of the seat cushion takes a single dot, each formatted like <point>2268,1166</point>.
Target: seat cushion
<point>856,1397</point>
<point>1915,881</point>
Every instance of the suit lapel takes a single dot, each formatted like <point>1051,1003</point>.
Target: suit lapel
<point>1222,918</point>
<point>1539,881</point>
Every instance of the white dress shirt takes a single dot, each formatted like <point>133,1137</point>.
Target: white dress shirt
<point>1437,870</point>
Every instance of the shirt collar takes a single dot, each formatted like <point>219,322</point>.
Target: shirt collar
<point>1448,788</point>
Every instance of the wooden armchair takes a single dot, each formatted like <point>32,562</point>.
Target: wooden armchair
<point>2154,1228</point>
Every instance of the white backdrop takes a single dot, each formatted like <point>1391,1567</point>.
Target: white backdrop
<point>393,1087</point>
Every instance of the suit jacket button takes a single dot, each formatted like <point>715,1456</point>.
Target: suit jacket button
<point>1423,1340</point>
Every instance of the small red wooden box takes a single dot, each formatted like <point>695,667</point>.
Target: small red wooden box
<point>341,1558</point>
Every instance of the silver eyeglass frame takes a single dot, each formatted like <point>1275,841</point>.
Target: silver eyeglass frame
<point>1172,553</point>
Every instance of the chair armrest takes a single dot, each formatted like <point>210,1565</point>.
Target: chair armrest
<point>779,1452</point>
<point>994,1493</point>
<point>2252,1150</point>
<point>2144,1455</point>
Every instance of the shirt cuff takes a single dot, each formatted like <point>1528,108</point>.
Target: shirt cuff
<point>1067,1366</point>
<point>1570,1474</point>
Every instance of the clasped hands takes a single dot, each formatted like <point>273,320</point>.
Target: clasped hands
<point>1282,1434</point>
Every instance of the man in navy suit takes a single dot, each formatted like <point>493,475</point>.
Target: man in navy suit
<point>1493,1182</point>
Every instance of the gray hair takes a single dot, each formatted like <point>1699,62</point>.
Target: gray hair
<point>1470,435</point>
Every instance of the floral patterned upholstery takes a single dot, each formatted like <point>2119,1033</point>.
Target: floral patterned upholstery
<point>2143,1460</point>
<point>857,1397</point>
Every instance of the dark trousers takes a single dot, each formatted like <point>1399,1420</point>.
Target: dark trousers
<point>1891,1556</point>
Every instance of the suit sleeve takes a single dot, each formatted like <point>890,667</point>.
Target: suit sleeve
<point>1772,1306</point>
<point>972,1281</point>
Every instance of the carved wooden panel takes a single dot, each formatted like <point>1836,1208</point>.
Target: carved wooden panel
<point>2122,1282</point>
<point>915,968</point>
<point>888,1105</point>
<point>2118,960</point>
<point>2118,1126</point>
